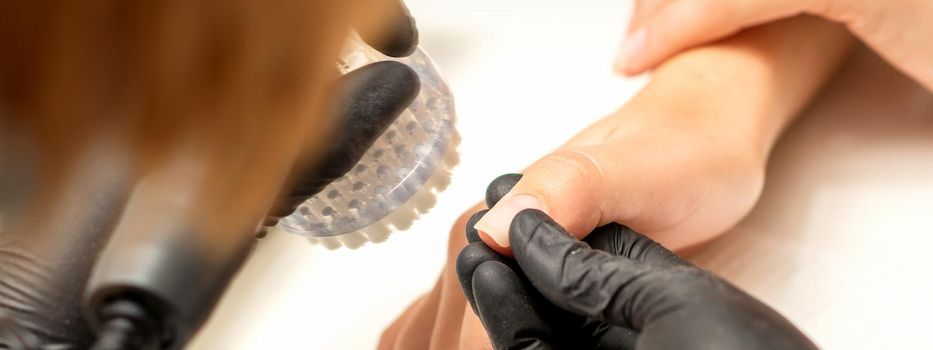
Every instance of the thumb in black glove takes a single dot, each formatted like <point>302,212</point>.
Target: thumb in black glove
<point>633,292</point>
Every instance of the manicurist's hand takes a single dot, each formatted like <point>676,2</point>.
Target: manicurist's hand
<point>899,30</point>
<point>617,290</point>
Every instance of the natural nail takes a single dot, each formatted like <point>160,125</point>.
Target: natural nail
<point>496,222</point>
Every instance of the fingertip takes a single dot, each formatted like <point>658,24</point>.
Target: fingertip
<point>399,36</point>
<point>496,290</point>
<point>373,97</point>
<point>499,187</point>
<point>492,244</point>
<point>632,52</point>
<point>469,258</point>
<point>472,234</point>
<point>495,224</point>
<point>618,67</point>
<point>466,262</point>
<point>491,275</point>
<point>499,293</point>
<point>626,70</point>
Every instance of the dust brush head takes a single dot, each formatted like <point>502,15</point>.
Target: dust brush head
<point>398,178</point>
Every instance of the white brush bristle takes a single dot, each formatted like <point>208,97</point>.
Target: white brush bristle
<point>403,217</point>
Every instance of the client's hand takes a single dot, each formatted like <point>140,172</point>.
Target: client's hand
<point>678,175</point>
<point>899,30</point>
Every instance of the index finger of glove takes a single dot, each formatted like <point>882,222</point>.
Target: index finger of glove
<point>507,310</point>
<point>575,277</point>
<point>368,100</point>
<point>398,37</point>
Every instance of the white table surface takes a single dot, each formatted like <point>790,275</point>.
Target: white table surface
<point>838,243</point>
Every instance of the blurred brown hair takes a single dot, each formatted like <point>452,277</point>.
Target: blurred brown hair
<point>236,85</point>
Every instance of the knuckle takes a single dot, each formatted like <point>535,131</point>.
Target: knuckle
<point>571,168</point>
<point>466,262</point>
<point>572,187</point>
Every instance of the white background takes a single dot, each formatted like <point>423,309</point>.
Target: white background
<point>839,242</point>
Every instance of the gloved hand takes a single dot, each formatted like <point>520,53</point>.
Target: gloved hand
<point>43,274</point>
<point>616,289</point>
<point>398,36</point>
<point>369,100</point>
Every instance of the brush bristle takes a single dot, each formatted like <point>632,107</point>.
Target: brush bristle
<point>404,216</point>
<point>399,176</point>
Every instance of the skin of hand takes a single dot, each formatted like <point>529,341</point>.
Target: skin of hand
<point>451,322</point>
<point>796,55</point>
<point>444,313</point>
<point>616,290</point>
<point>899,30</point>
<point>441,319</point>
<point>684,159</point>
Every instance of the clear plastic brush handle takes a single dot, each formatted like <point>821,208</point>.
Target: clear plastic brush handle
<point>397,179</point>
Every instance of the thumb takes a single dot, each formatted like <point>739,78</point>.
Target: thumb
<point>679,25</point>
<point>581,188</point>
<point>582,280</point>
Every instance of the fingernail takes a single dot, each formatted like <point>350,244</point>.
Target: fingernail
<point>496,222</point>
<point>633,45</point>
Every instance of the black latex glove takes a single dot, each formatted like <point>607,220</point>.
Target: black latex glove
<point>43,274</point>
<point>616,289</point>
<point>369,100</point>
<point>398,37</point>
